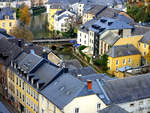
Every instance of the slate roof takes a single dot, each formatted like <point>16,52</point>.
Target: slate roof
<point>3,33</point>
<point>10,51</point>
<point>122,50</point>
<point>98,81</point>
<point>56,6</point>
<point>94,9</point>
<point>99,2</point>
<point>140,30</point>
<point>102,77</point>
<point>27,46</point>
<point>46,72</point>
<point>113,109</point>
<point>110,38</point>
<point>72,64</point>
<point>104,23</point>
<point>3,109</point>
<point>67,2</point>
<point>64,89</point>
<point>108,2</point>
<point>83,71</point>
<point>29,62</point>
<point>146,38</point>
<point>6,12</point>
<point>123,90</point>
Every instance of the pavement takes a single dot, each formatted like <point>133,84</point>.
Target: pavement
<point>10,107</point>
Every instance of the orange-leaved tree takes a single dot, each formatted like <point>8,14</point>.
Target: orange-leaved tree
<point>22,32</point>
<point>25,16</point>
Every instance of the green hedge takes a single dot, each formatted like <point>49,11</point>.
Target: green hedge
<point>82,47</point>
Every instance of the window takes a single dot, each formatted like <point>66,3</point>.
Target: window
<point>85,42</point>
<point>132,105</point>
<point>10,24</point>
<point>85,36</point>
<point>47,104</point>
<point>139,44</point>
<point>17,92</point>
<point>42,99</point>
<point>80,34</point>
<point>129,60</point>
<point>3,24</point>
<point>108,61</point>
<point>117,62</point>
<point>144,45</point>
<point>29,90</point>
<point>42,110</point>
<point>141,103</point>
<point>23,98</point>
<point>20,95</point>
<point>17,80</point>
<point>76,110</point>
<point>144,53</point>
<point>22,85</point>
<point>80,39</point>
<point>98,106</point>
<point>124,61</point>
<point>19,83</point>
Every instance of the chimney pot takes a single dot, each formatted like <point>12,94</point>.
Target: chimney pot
<point>89,84</point>
<point>32,51</point>
<point>19,43</point>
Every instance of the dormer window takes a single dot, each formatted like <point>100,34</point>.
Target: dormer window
<point>6,17</point>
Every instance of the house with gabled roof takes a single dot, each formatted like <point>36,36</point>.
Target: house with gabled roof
<point>123,55</point>
<point>7,19</point>
<point>90,33</point>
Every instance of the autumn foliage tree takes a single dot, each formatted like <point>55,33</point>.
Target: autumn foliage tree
<point>22,32</point>
<point>25,16</point>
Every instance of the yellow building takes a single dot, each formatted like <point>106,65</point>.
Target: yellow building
<point>7,19</point>
<point>53,9</point>
<point>144,44</point>
<point>134,40</point>
<point>123,55</point>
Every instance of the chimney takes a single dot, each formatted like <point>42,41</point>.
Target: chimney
<point>32,51</point>
<point>19,43</point>
<point>45,53</point>
<point>79,76</point>
<point>89,84</point>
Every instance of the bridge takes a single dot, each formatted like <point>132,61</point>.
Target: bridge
<point>66,40</point>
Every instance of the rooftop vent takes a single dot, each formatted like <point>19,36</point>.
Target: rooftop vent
<point>103,20</point>
<point>110,23</point>
<point>101,30</point>
<point>96,26</point>
<point>62,88</point>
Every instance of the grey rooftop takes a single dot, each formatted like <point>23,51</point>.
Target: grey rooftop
<point>146,38</point>
<point>113,109</point>
<point>64,89</point>
<point>3,109</point>
<point>123,90</point>
<point>122,50</point>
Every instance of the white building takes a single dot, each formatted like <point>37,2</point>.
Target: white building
<point>90,33</point>
<point>131,93</point>
<point>67,94</point>
<point>63,20</point>
<point>14,3</point>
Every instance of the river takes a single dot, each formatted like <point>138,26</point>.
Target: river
<point>39,25</point>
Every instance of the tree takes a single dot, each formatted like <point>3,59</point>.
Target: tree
<point>22,32</point>
<point>102,62</point>
<point>25,16</point>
